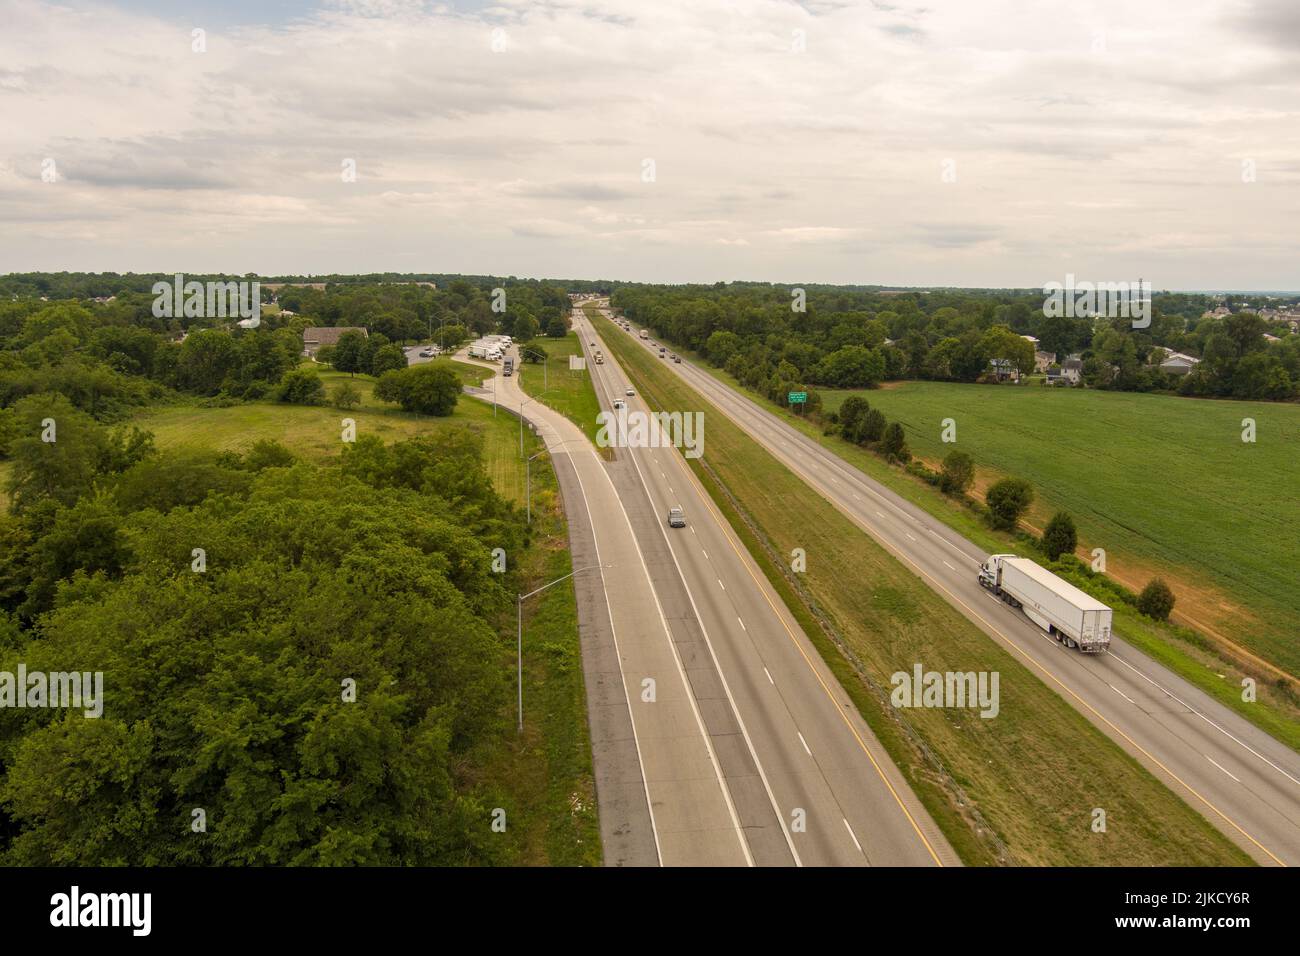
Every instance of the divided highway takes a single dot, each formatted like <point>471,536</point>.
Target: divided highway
<point>747,724</point>
<point>1240,778</point>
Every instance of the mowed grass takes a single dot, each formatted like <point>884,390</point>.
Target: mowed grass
<point>569,393</point>
<point>316,432</point>
<point>1165,485</point>
<point>1019,788</point>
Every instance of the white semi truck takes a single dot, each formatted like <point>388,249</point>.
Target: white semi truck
<point>490,352</point>
<point>1074,618</point>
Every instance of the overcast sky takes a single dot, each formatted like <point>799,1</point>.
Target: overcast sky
<point>953,142</point>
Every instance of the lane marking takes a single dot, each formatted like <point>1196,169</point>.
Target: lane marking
<point>1220,766</point>
<point>909,536</point>
<point>769,677</point>
<point>949,566</point>
<point>742,623</point>
<point>706,554</point>
<point>721,585</point>
<point>806,748</point>
<point>1121,693</point>
<point>853,835</point>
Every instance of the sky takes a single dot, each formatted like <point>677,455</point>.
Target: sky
<point>986,143</point>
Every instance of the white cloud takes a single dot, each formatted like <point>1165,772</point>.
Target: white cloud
<point>1107,135</point>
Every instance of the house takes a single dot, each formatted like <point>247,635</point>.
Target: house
<point>1043,360</point>
<point>1068,373</point>
<point>1177,363</point>
<point>315,338</point>
<point>1004,370</point>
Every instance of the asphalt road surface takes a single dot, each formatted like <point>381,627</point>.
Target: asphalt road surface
<point>1238,777</point>
<point>751,753</point>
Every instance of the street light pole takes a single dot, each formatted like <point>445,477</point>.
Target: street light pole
<point>519,630</point>
<point>528,470</point>
<point>521,426</point>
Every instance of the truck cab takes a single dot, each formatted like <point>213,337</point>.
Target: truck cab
<point>991,572</point>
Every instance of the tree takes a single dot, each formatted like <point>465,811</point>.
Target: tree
<point>852,413</point>
<point>429,389</point>
<point>853,366</point>
<point>872,428</point>
<point>206,358</point>
<point>346,396</point>
<point>894,443</point>
<point>1060,537</point>
<point>525,328</point>
<point>958,473</point>
<point>56,452</point>
<point>386,359</point>
<point>1156,600</point>
<point>1008,500</point>
<point>349,353</point>
<point>302,386</point>
<point>556,327</point>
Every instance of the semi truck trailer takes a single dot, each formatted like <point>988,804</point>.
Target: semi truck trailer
<point>1074,618</point>
<point>489,352</point>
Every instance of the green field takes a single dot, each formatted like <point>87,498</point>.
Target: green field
<point>1017,789</point>
<point>569,393</point>
<point>1165,485</point>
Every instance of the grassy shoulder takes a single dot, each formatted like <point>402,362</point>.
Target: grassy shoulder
<point>1202,661</point>
<point>543,777</point>
<point>1017,789</point>
<point>569,393</point>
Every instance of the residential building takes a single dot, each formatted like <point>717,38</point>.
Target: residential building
<point>315,338</point>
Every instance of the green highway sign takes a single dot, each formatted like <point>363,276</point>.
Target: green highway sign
<point>797,397</point>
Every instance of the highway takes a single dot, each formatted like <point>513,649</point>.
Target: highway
<point>1238,777</point>
<point>751,752</point>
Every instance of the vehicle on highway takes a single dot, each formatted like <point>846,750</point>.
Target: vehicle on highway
<point>676,518</point>
<point>677,358</point>
<point>619,403</point>
<point>1074,618</point>
<point>426,353</point>
<point>630,391</point>
<point>645,334</point>
<point>509,367</point>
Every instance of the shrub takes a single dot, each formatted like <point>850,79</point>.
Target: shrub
<point>894,443</point>
<point>302,386</point>
<point>872,428</point>
<point>346,396</point>
<point>958,473</point>
<point>1156,600</point>
<point>1008,500</point>
<point>1059,537</point>
<point>430,389</point>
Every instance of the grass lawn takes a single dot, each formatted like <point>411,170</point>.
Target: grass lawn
<point>1019,788</point>
<point>569,393</point>
<point>1165,485</point>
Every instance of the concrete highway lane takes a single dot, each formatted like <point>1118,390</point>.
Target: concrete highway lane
<point>1238,777</point>
<point>690,810</point>
<point>829,784</point>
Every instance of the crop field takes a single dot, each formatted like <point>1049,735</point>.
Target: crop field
<point>1165,485</point>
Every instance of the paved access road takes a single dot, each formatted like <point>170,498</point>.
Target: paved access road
<point>1238,777</point>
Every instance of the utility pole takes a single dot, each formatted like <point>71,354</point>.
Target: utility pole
<point>519,630</point>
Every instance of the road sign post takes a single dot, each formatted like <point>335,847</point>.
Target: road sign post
<point>797,398</point>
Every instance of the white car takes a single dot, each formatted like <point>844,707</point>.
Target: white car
<point>619,403</point>
<point>630,391</point>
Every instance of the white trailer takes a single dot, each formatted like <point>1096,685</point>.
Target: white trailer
<point>1074,618</point>
<point>487,351</point>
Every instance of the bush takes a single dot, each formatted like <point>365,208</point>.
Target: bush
<point>346,396</point>
<point>1060,537</point>
<point>1008,500</point>
<point>1156,600</point>
<point>958,473</point>
<point>928,475</point>
<point>894,444</point>
<point>302,386</point>
<point>430,389</point>
<point>872,428</point>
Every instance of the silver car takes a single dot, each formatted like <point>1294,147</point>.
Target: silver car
<point>676,518</point>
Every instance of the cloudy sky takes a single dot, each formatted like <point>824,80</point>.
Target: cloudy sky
<point>950,142</point>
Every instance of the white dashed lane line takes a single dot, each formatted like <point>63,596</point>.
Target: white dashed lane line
<point>1220,766</point>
